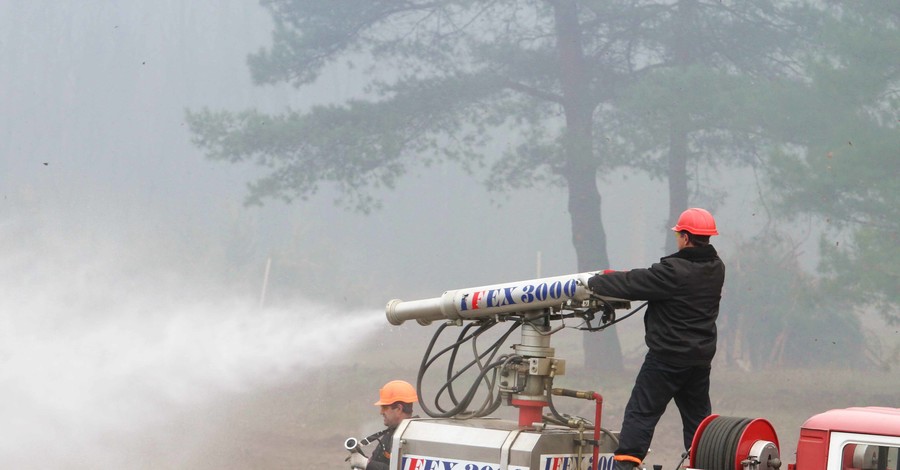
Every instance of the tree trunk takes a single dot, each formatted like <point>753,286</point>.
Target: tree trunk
<point>678,180</point>
<point>602,352</point>
<point>678,130</point>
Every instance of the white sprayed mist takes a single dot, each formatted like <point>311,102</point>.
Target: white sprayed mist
<point>94,346</point>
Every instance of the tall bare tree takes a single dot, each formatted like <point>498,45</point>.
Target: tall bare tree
<point>447,77</point>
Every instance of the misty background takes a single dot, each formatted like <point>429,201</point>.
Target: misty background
<point>136,282</point>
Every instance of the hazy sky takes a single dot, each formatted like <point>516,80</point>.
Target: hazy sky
<point>92,115</point>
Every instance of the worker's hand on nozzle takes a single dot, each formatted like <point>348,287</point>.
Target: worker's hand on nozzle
<point>590,283</point>
<point>359,461</point>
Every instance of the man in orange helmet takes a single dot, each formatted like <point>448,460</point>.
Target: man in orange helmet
<point>683,292</point>
<point>396,400</point>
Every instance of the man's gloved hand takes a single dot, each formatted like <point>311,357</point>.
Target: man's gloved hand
<point>357,460</point>
<point>592,284</point>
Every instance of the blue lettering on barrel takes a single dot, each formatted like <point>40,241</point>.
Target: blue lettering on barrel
<point>541,291</point>
<point>490,298</point>
<point>570,287</point>
<point>528,294</point>
<point>555,289</point>
<point>508,293</point>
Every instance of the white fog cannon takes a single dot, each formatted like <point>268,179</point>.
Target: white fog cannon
<point>459,434</point>
<point>499,299</point>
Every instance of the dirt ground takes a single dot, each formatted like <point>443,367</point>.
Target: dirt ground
<point>302,424</point>
<point>281,428</point>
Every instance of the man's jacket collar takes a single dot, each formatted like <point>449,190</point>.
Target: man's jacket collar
<point>696,253</point>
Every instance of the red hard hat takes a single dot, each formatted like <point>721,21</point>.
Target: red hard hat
<point>696,221</point>
<point>394,391</point>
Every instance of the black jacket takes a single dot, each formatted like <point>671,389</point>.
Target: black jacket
<point>381,456</point>
<point>683,291</point>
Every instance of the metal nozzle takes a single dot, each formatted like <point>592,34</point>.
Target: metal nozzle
<point>423,311</point>
<point>351,444</point>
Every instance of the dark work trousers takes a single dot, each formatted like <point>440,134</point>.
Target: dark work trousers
<point>656,384</point>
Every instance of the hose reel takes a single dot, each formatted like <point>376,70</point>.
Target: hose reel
<point>730,443</point>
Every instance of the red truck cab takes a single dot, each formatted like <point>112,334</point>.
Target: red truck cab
<point>861,438</point>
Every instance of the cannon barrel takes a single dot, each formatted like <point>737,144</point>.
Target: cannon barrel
<point>498,299</point>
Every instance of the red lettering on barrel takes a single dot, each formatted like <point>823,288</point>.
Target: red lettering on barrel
<point>475,297</point>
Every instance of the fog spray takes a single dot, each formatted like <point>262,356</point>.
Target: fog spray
<point>95,347</point>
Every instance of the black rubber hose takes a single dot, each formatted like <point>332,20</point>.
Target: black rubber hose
<point>491,351</point>
<point>459,337</point>
<point>617,320</point>
<point>717,447</point>
<point>427,361</point>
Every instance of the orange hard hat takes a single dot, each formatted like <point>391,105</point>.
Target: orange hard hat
<point>696,221</point>
<point>396,390</point>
